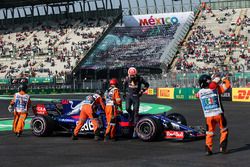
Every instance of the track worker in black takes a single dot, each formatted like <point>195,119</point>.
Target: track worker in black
<point>132,91</point>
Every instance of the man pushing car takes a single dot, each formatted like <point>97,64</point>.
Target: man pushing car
<point>88,110</point>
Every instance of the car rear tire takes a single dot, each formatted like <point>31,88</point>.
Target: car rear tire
<point>148,129</point>
<point>178,118</point>
<point>42,126</point>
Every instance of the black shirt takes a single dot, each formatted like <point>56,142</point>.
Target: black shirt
<point>132,86</point>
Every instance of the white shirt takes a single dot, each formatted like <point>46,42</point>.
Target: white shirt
<point>210,102</point>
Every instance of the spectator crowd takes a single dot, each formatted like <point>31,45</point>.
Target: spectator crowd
<point>217,42</point>
<point>49,48</point>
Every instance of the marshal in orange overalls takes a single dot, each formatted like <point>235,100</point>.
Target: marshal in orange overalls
<point>21,104</point>
<point>113,101</point>
<point>88,110</point>
<point>212,107</point>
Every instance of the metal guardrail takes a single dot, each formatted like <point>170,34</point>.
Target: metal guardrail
<point>183,80</point>
<point>176,80</point>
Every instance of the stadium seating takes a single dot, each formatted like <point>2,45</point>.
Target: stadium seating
<point>48,49</point>
<point>218,42</point>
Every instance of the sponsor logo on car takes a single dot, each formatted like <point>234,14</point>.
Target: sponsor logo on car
<point>67,120</point>
<point>88,126</point>
<point>40,109</point>
<point>75,109</point>
<point>64,101</point>
<point>174,134</point>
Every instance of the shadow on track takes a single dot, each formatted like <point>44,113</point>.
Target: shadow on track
<point>243,148</point>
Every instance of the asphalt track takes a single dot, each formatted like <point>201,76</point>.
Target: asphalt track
<point>60,151</point>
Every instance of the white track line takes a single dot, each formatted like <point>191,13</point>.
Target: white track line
<point>10,118</point>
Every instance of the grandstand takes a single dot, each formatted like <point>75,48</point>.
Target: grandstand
<point>79,42</point>
<point>46,40</point>
<point>217,43</point>
<point>45,50</point>
<point>216,49</point>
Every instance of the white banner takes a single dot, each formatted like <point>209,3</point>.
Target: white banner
<point>156,19</point>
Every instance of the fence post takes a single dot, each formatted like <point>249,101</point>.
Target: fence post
<point>74,83</point>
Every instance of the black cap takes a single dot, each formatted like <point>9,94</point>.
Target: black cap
<point>204,80</point>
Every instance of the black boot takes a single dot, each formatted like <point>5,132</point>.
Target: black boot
<point>73,137</point>
<point>96,138</point>
<point>97,135</point>
<point>223,147</point>
<point>208,151</point>
<point>106,138</point>
<point>18,134</point>
<point>114,139</point>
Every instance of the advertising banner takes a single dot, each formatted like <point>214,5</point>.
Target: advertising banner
<point>241,94</point>
<point>165,93</point>
<point>185,93</point>
<point>227,96</point>
<point>60,80</point>
<point>4,81</point>
<point>149,91</point>
<point>191,93</point>
<point>180,93</point>
<point>156,19</point>
<point>41,80</point>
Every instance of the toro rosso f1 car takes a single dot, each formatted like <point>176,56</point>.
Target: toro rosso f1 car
<point>62,117</point>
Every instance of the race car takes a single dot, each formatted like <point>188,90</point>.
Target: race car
<point>62,117</point>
